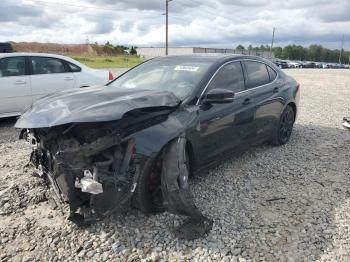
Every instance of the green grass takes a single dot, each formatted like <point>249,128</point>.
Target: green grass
<point>109,61</point>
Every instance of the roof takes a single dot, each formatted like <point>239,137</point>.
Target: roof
<point>211,57</point>
<point>2,55</point>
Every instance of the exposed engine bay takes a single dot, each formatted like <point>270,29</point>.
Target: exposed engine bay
<point>95,167</point>
<point>94,177</point>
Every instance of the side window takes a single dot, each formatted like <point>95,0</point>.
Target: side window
<point>229,77</point>
<point>74,68</point>
<point>12,66</point>
<point>47,65</point>
<point>257,74</point>
<point>272,73</point>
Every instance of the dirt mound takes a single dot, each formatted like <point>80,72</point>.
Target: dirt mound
<point>66,49</point>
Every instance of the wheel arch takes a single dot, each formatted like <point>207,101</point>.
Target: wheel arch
<point>189,150</point>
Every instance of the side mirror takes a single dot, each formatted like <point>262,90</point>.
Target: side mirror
<point>219,96</point>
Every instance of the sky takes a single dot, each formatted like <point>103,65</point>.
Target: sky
<point>200,23</point>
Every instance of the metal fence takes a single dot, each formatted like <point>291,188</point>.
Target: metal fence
<point>150,52</point>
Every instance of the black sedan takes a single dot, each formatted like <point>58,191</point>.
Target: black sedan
<point>138,139</point>
<point>281,64</point>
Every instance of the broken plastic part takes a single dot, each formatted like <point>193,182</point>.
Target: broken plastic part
<point>176,192</point>
<point>88,185</point>
<point>346,122</point>
<point>87,173</point>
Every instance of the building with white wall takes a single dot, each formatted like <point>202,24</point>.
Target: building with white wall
<point>150,52</point>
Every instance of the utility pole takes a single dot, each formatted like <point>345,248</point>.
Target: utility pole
<point>273,39</point>
<point>341,50</point>
<point>166,24</point>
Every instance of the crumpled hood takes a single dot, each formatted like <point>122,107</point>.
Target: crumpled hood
<point>93,104</point>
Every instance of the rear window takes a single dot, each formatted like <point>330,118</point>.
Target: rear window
<point>257,74</point>
<point>47,65</point>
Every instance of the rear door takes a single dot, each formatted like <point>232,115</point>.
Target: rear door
<point>49,75</point>
<point>15,92</point>
<point>225,126</point>
<point>263,80</point>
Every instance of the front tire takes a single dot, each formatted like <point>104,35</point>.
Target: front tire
<point>148,195</point>
<point>284,128</point>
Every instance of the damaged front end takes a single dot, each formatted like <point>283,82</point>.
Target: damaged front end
<point>96,174</point>
<point>95,166</point>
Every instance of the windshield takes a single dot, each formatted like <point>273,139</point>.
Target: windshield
<point>179,77</point>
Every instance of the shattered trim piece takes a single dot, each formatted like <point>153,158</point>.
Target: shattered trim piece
<point>177,194</point>
<point>346,122</point>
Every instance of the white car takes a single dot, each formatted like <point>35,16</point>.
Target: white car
<point>293,64</point>
<point>25,77</point>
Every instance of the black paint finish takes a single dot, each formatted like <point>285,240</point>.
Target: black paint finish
<point>105,117</point>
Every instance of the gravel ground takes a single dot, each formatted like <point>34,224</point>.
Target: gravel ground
<point>289,203</point>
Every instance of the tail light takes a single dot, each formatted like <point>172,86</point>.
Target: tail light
<point>110,76</point>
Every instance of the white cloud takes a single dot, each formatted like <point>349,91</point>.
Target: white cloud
<point>220,23</point>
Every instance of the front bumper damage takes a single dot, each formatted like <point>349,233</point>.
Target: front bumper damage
<point>94,144</point>
<point>94,178</point>
<point>95,169</point>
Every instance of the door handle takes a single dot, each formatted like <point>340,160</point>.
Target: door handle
<point>214,119</point>
<point>276,89</point>
<point>68,78</point>
<point>20,82</point>
<point>246,101</point>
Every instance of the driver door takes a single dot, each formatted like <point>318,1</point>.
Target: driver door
<point>225,126</point>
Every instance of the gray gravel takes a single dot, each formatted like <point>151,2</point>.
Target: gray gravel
<point>288,203</point>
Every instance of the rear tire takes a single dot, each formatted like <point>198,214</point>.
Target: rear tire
<point>284,127</point>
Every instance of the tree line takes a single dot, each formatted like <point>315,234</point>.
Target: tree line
<point>316,53</point>
<point>131,50</point>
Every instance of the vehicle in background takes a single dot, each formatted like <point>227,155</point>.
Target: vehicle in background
<point>25,77</point>
<point>307,64</point>
<point>332,65</point>
<point>293,64</point>
<point>335,66</point>
<point>318,65</point>
<point>6,48</point>
<point>280,63</point>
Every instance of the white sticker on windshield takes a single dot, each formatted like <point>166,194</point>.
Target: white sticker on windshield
<point>187,68</point>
